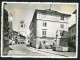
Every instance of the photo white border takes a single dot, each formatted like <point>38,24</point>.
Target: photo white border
<point>40,3</point>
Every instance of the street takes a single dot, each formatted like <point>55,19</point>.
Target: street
<point>23,50</point>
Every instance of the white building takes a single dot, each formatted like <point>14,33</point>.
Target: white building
<point>44,25</point>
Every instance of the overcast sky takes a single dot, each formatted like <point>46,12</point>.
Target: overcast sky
<point>21,11</point>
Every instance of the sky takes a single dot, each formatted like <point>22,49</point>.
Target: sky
<point>25,11</point>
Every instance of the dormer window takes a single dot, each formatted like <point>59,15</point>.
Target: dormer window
<point>62,17</point>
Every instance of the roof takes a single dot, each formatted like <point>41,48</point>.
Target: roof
<point>75,12</point>
<point>15,31</point>
<point>22,36</point>
<point>74,25</point>
<point>48,11</point>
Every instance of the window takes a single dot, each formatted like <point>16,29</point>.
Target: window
<point>74,37</point>
<point>62,26</point>
<point>21,25</point>
<point>44,24</point>
<point>43,33</point>
<point>62,33</point>
<point>75,29</point>
<point>62,17</point>
<point>72,30</point>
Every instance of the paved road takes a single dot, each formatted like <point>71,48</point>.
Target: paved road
<point>22,50</point>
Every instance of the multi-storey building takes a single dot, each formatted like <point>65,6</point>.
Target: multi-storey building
<point>44,25</point>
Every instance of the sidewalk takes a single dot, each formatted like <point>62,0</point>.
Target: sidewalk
<point>6,50</point>
<point>66,54</point>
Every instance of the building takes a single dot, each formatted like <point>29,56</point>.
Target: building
<point>5,28</point>
<point>72,35</point>
<point>5,31</point>
<point>18,38</point>
<point>21,39</point>
<point>44,25</point>
<point>72,32</point>
<point>28,41</point>
<point>22,28</point>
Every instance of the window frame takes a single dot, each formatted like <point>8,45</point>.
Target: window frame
<point>43,32</point>
<point>44,24</point>
<point>62,17</point>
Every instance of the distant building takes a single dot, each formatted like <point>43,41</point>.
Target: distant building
<point>44,25</point>
<point>22,39</point>
<point>18,38</point>
<point>28,41</point>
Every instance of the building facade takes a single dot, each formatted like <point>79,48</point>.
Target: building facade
<point>44,25</point>
<point>5,28</point>
<point>21,39</point>
<point>72,32</point>
<point>72,35</point>
<point>18,38</point>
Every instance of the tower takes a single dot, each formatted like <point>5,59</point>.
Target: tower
<point>22,28</point>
